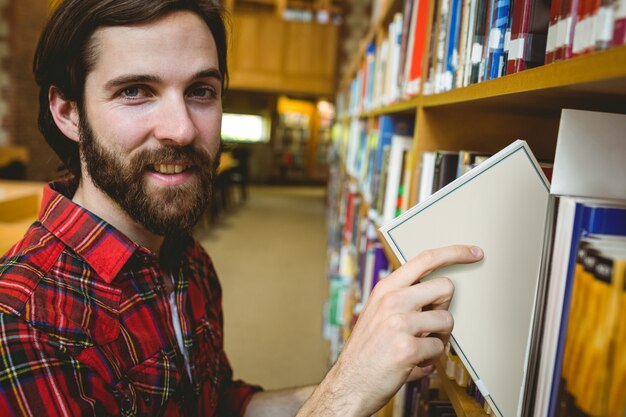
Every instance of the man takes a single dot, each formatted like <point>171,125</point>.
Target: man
<point>108,306</point>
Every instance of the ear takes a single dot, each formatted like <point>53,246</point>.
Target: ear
<point>64,113</point>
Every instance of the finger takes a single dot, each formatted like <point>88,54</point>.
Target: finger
<point>420,372</point>
<point>430,260</point>
<point>424,323</point>
<point>428,350</point>
<point>434,294</point>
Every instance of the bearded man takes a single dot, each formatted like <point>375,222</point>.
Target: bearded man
<point>108,306</point>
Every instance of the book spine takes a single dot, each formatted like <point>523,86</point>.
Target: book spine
<point>619,27</point>
<point>459,77</point>
<point>452,49</point>
<point>496,38</point>
<point>519,33</point>
<point>605,22</point>
<point>551,44</point>
<point>478,44</point>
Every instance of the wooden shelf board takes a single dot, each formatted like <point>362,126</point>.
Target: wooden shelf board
<point>602,74</point>
<point>400,107</point>
<point>464,405</point>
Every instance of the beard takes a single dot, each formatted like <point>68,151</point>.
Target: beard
<point>165,210</point>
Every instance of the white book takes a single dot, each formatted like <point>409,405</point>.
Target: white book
<point>399,145</point>
<point>427,171</point>
<point>501,206</point>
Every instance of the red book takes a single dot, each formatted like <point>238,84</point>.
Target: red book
<point>555,9</point>
<point>417,45</point>
<point>568,17</point>
<point>619,28</point>
<point>528,35</point>
<point>584,41</point>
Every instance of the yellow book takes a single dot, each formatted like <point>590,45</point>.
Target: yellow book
<point>617,388</point>
<point>596,356</point>
<point>576,313</point>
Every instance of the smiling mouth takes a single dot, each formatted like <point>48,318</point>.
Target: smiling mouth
<point>170,168</point>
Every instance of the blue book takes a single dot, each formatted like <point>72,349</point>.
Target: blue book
<point>452,48</point>
<point>499,22</point>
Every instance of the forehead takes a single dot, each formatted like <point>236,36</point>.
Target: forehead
<point>178,43</point>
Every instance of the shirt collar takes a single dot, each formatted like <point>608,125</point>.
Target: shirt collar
<point>102,246</point>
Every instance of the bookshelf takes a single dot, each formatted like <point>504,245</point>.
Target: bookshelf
<point>485,116</point>
<point>464,405</point>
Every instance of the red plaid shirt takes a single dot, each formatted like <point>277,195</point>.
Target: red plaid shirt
<point>86,325</point>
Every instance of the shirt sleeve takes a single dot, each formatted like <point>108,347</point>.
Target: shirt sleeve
<point>235,394</point>
<point>38,377</point>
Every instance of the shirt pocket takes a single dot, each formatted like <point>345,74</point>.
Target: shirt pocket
<point>151,388</point>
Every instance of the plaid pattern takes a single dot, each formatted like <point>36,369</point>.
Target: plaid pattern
<point>85,324</point>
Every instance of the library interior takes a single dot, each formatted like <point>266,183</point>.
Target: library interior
<point>358,133</point>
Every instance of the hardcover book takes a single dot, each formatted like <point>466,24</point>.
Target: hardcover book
<point>501,206</point>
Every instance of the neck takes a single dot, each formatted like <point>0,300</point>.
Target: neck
<point>96,201</point>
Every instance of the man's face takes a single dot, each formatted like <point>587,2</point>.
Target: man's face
<point>151,120</point>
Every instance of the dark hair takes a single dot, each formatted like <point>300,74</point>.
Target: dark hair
<point>64,54</point>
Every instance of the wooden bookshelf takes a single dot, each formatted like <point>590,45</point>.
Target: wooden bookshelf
<point>487,117</point>
<point>464,405</point>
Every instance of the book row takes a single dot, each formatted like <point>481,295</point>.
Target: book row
<point>432,46</point>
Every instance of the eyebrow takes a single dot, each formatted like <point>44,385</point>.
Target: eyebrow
<point>145,78</point>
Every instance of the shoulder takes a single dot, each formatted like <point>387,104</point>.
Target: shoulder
<point>23,267</point>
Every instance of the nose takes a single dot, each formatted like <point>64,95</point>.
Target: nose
<point>174,123</point>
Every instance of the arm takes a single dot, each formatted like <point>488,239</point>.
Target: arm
<point>400,334</point>
<point>279,403</point>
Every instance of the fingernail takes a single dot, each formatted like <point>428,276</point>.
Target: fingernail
<point>476,251</point>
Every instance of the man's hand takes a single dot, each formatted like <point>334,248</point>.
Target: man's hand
<point>399,335</point>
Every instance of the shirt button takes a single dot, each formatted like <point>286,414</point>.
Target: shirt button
<point>126,404</point>
<point>147,399</point>
<point>146,258</point>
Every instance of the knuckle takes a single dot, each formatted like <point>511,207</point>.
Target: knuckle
<point>427,257</point>
<point>388,300</point>
<point>405,347</point>
<point>396,322</point>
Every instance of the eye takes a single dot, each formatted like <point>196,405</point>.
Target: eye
<point>202,92</point>
<point>133,92</point>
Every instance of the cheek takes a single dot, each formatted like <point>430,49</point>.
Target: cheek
<point>210,132</point>
<point>122,130</point>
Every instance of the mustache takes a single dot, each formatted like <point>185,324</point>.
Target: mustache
<point>168,154</point>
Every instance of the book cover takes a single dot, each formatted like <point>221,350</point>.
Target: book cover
<point>466,17</point>
<point>575,150</point>
<point>501,206</point>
